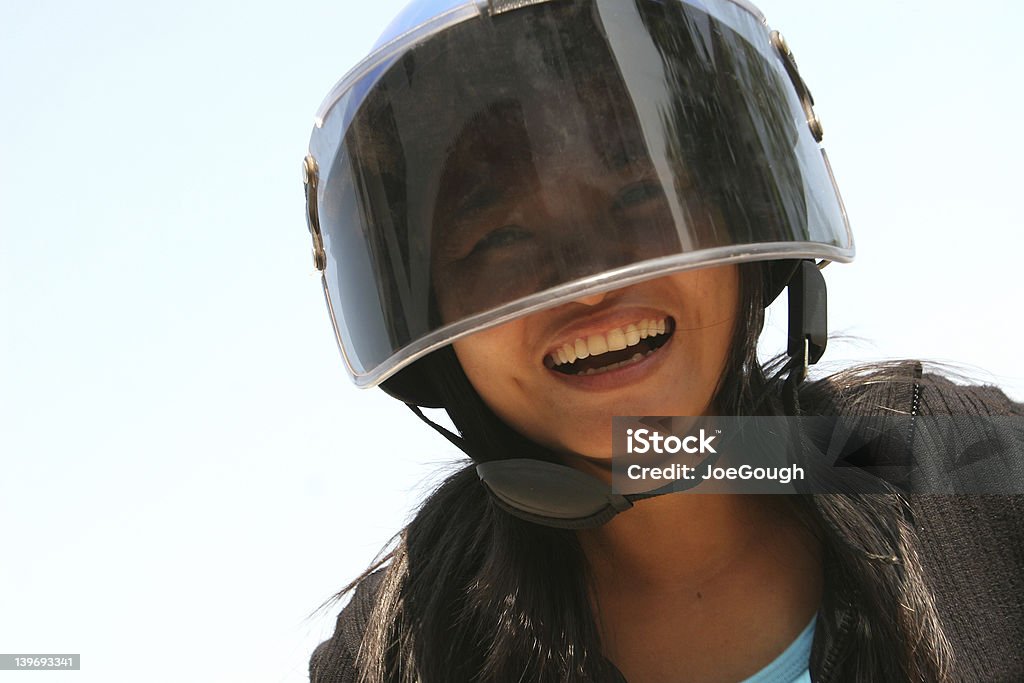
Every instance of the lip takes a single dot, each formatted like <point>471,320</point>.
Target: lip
<point>619,377</point>
<point>600,323</point>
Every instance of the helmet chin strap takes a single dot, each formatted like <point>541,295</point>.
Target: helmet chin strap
<point>546,493</point>
<point>563,497</point>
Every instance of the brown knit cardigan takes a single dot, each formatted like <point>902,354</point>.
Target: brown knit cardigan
<point>971,549</point>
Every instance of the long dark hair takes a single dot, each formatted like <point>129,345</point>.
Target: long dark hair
<point>471,593</point>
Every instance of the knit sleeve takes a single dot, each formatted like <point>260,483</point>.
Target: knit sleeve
<point>334,660</point>
<point>972,549</point>
<point>971,546</point>
<point>943,397</point>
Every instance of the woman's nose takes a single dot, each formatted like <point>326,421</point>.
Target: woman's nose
<point>591,300</point>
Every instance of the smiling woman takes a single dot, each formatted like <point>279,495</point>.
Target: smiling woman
<point>542,215</point>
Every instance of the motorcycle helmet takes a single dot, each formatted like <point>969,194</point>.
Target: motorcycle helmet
<point>679,133</point>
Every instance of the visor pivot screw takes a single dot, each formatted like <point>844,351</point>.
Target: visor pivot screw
<point>815,123</point>
<point>319,260</point>
<point>310,179</point>
<point>779,41</point>
<point>802,91</point>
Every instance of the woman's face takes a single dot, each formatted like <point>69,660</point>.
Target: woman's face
<point>654,348</point>
<point>529,200</point>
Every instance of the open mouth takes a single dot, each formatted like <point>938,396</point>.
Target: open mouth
<point>614,349</point>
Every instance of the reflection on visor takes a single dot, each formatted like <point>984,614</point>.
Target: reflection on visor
<point>505,157</point>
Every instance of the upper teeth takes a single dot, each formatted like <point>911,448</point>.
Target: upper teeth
<point>613,340</point>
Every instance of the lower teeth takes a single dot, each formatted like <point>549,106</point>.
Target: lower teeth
<point>629,361</point>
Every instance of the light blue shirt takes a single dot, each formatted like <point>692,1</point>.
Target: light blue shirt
<point>792,665</point>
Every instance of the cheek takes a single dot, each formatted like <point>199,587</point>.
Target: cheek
<point>510,382</point>
<point>708,324</point>
<point>710,305</point>
<point>717,291</point>
<point>493,361</point>
<point>718,313</point>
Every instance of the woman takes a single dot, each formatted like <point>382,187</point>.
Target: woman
<point>542,215</point>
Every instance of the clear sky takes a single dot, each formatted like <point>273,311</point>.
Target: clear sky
<point>185,471</point>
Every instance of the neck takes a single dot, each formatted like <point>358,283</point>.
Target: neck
<point>684,538</point>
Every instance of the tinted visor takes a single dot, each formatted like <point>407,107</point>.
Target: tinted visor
<point>511,163</point>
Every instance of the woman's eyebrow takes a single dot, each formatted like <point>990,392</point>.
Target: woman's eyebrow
<point>632,152</point>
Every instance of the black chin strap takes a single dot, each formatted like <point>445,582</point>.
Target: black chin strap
<point>542,492</point>
<point>456,440</point>
<point>563,497</point>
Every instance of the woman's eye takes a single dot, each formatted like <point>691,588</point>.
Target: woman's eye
<point>500,238</point>
<point>638,193</point>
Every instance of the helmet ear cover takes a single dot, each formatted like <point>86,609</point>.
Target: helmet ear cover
<point>413,385</point>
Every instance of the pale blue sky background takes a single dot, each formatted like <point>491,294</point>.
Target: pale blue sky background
<point>185,472</point>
